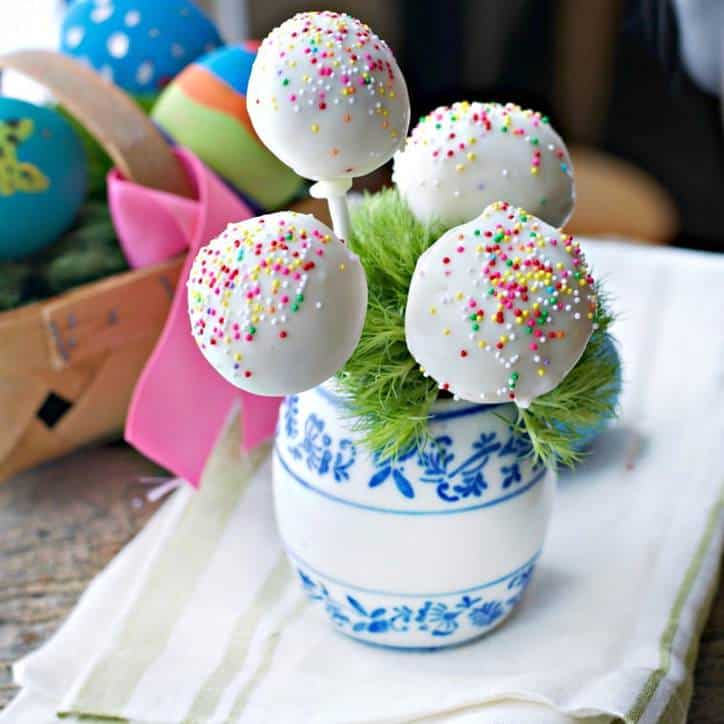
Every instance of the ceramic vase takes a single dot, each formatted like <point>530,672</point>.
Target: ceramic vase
<point>430,550</point>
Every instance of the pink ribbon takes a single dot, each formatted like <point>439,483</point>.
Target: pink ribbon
<point>181,403</point>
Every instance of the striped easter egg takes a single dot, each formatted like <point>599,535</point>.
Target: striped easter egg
<point>204,109</point>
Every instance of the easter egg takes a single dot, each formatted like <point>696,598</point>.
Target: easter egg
<point>463,157</point>
<point>43,177</point>
<point>501,308</point>
<point>140,45</point>
<point>204,109</point>
<point>277,303</point>
<point>327,97</point>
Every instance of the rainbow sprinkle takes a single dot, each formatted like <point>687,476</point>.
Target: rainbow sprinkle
<point>446,133</point>
<point>334,70</point>
<point>252,280</point>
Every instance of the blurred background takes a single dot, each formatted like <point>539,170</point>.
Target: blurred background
<point>633,86</point>
<point>615,76</point>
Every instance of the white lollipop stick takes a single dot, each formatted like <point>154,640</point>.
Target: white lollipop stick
<point>335,192</point>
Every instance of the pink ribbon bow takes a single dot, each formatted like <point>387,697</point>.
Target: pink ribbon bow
<point>180,402</point>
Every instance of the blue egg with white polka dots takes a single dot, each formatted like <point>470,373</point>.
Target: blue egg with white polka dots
<point>140,45</point>
<point>43,177</point>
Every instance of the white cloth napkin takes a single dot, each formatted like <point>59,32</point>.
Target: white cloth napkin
<point>200,619</point>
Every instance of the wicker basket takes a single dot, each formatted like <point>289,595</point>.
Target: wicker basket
<point>68,365</point>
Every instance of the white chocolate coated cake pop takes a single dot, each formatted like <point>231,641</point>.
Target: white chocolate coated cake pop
<point>326,96</point>
<point>460,159</point>
<point>277,303</point>
<point>500,308</point>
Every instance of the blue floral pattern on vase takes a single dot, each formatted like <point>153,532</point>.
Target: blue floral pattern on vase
<point>291,412</point>
<point>395,521</point>
<point>437,460</point>
<point>317,449</point>
<point>436,618</point>
<point>435,464</point>
<point>393,468</point>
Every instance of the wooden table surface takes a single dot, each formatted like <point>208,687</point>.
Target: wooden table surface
<point>59,526</point>
<point>62,523</point>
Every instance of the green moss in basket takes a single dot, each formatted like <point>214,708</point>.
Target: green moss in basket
<point>390,399</point>
<point>14,278</point>
<point>89,251</point>
<point>86,253</point>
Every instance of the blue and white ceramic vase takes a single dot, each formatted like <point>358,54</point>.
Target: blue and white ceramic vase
<point>431,550</point>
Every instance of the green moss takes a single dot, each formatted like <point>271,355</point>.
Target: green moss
<point>87,252</point>
<point>583,398</point>
<point>390,399</point>
<point>14,277</point>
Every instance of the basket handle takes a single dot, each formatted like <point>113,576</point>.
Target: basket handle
<point>125,132</point>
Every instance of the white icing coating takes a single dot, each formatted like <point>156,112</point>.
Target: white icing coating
<point>326,96</point>
<point>500,308</point>
<point>277,303</point>
<point>460,159</point>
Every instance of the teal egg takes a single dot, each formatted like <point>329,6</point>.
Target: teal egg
<point>43,177</point>
<point>587,434</point>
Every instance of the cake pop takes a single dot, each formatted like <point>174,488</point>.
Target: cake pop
<point>277,303</point>
<point>461,158</point>
<point>500,308</point>
<point>327,97</point>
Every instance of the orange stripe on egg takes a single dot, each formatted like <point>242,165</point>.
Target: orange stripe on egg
<point>205,88</point>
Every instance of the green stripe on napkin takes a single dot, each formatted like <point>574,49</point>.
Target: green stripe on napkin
<point>181,561</point>
<point>667,638</point>
<point>270,646</point>
<point>211,692</point>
